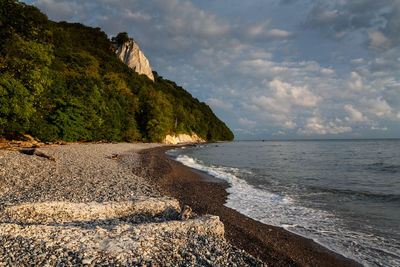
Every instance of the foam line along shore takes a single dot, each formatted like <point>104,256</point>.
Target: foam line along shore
<point>274,245</point>
<point>335,192</point>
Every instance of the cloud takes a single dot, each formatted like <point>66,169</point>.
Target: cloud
<point>260,54</point>
<point>378,40</point>
<point>258,29</point>
<point>268,104</point>
<point>278,33</point>
<point>384,129</point>
<point>289,125</point>
<point>354,114</point>
<point>262,30</point>
<point>378,21</point>
<point>184,17</point>
<point>58,10</point>
<point>297,95</point>
<point>355,81</point>
<point>357,61</point>
<point>218,104</point>
<point>378,107</point>
<point>316,125</point>
<point>137,16</point>
<point>246,122</point>
<point>329,20</point>
<point>327,71</point>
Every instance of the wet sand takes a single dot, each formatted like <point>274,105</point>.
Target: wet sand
<point>274,245</point>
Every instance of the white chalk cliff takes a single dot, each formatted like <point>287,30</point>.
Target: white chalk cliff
<point>183,138</point>
<point>131,55</point>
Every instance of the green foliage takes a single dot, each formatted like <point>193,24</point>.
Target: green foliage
<point>160,117</point>
<point>16,105</point>
<point>57,85</point>
<point>121,38</point>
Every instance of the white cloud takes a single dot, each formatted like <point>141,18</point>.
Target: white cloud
<point>316,125</point>
<point>354,114</point>
<point>182,17</point>
<point>329,15</point>
<point>355,81</point>
<point>398,115</point>
<point>384,129</point>
<point>297,95</point>
<point>378,40</point>
<point>246,122</point>
<point>327,71</point>
<point>289,125</point>
<point>357,61</point>
<point>218,104</point>
<point>244,131</point>
<point>258,29</point>
<point>263,103</point>
<point>278,33</point>
<point>378,107</point>
<point>376,22</point>
<point>137,16</point>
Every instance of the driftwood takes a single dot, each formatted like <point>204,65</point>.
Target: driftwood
<point>35,152</point>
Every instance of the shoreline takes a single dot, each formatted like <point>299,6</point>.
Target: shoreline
<point>273,245</point>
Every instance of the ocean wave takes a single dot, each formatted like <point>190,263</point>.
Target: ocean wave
<point>383,167</point>
<point>281,210</point>
<point>353,194</point>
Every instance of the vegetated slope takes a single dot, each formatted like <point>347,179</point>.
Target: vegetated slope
<point>62,81</point>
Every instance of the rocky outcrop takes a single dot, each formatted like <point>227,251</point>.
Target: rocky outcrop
<point>61,212</point>
<point>130,53</point>
<point>183,138</point>
<point>130,232</point>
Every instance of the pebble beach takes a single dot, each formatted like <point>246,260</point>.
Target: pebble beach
<point>87,207</point>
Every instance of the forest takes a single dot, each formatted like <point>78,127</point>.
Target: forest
<point>62,81</point>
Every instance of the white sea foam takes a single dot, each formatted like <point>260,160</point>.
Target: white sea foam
<point>280,210</point>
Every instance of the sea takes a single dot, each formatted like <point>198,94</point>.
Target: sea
<point>343,194</point>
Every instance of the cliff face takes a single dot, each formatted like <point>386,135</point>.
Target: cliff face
<point>183,138</point>
<point>131,55</point>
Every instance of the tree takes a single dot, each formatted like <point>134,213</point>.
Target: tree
<point>16,105</point>
<point>121,38</point>
<point>160,117</point>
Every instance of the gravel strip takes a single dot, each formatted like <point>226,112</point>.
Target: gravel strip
<point>81,173</point>
<point>88,208</point>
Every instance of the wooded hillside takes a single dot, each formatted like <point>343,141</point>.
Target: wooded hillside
<point>62,81</point>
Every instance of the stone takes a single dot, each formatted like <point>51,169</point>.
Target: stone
<point>133,57</point>
<point>114,156</point>
<point>87,261</point>
<point>185,213</point>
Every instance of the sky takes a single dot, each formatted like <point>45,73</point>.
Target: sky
<point>270,69</point>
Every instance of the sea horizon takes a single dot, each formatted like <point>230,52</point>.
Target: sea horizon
<point>318,139</point>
